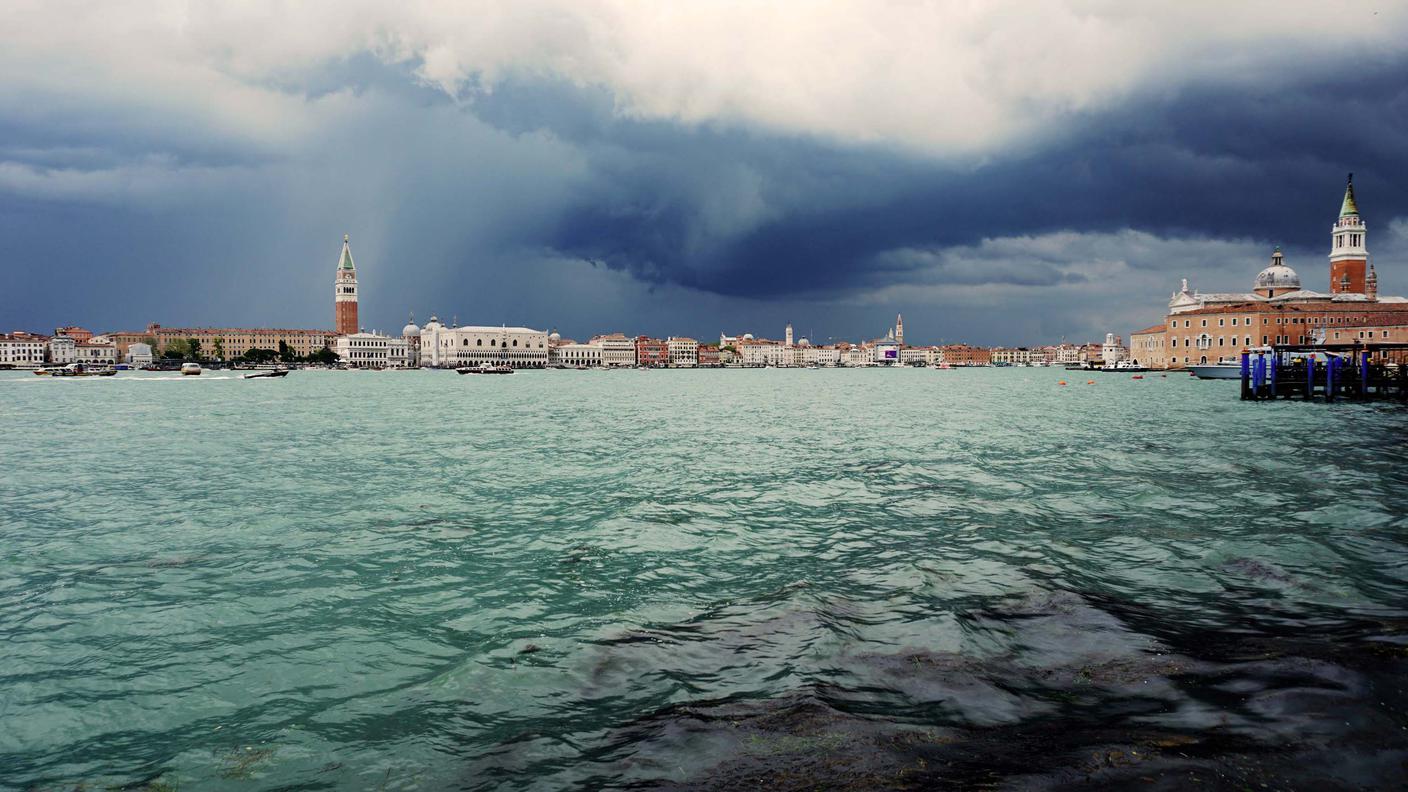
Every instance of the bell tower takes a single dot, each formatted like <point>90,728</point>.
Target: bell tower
<point>1349,255</point>
<point>345,292</point>
<point>899,329</point>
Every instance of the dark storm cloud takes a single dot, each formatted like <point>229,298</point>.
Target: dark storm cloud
<point>539,203</point>
<point>1225,161</point>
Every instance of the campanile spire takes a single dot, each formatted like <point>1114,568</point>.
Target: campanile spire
<point>345,291</point>
<point>1349,253</point>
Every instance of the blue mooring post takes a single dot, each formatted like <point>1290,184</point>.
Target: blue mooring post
<point>1364,375</point>
<point>1274,358</point>
<point>1246,376</point>
<point>1331,363</point>
<point>1259,375</point>
<point>1310,375</point>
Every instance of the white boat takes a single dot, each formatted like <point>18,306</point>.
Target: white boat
<point>485,368</point>
<point>190,369</point>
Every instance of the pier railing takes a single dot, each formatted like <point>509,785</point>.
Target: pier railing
<point>1360,372</point>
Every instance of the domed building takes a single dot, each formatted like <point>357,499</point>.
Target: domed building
<point>1205,328</point>
<point>411,333</point>
<point>1277,278</point>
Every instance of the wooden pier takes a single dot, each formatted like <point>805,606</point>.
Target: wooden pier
<point>1328,372</point>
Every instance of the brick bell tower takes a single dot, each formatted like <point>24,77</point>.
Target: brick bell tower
<point>345,292</point>
<point>1349,256</point>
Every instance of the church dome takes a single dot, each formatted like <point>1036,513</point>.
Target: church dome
<point>747,336</point>
<point>554,336</point>
<point>1278,275</point>
<point>410,330</point>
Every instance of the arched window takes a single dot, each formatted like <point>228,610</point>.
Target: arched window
<point>515,342</point>
<point>492,342</point>
<point>479,342</point>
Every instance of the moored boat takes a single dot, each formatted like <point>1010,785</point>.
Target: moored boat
<point>485,368</point>
<point>190,369</point>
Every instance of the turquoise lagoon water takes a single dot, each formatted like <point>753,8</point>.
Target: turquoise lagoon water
<point>697,579</point>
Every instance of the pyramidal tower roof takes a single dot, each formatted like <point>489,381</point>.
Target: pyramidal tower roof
<point>1349,207</point>
<point>345,262</point>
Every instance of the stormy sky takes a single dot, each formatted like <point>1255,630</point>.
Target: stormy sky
<point>1002,172</point>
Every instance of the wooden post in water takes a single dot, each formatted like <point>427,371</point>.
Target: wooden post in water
<point>1331,363</point>
<point>1275,358</point>
<point>1309,376</point>
<point>1364,374</point>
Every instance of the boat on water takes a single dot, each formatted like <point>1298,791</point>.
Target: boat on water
<point>75,370</point>
<point>267,374</point>
<point>485,368</point>
<point>190,369</point>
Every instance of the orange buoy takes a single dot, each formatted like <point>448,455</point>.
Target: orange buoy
<point>1062,382</point>
<point>1137,376</point>
<point>1090,382</point>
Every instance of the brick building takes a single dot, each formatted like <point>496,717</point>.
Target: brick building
<point>652,352</point>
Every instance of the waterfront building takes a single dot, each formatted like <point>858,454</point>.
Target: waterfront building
<point>913,356</point>
<point>854,355</point>
<point>616,350</point>
<point>965,355</point>
<point>364,350</point>
<point>1205,328</point>
<point>755,353</point>
<point>62,350</point>
<point>571,353</point>
<point>1012,356</point>
<point>227,343</point>
<point>94,354</point>
<point>411,334</point>
<point>709,356</point>
<point>886,351</point>
<point>473,345</point>
<point>683,352</point>
<point>1113,350</point>
<point>22,350</point>
<point>75,332</point>
<point>345,292</point>
<point>652,352</point>
<point>138,354</point>
<point>122,340</point>
<point>1147,347</point>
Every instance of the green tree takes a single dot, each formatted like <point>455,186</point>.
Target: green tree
<point>286,354</point>
<point>324,356</point>
<point>175,349</point>
<point>193,347</point>
<point>219,348</point>
<point>257,355</point>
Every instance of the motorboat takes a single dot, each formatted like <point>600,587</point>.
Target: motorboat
<point>75,370</point>
<point>485,368</point>
<point>190,369</point>
<point>267,374</point>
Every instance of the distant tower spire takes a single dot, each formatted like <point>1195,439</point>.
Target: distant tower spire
<point>345,291</point>
<point>1349,251</point>
<point>789,334</point>
<point>1371,284</point>
<point>899,329</point>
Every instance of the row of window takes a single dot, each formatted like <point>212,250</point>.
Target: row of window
<point>1354,239</point>
<point>1279,320</point>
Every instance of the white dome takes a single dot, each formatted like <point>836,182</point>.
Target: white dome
<point>433,323</point>
<point>747,336</point>
<point>554,336</point>
<point>1278,275</point>
<point>804,342</point>
<point>410,331</point>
